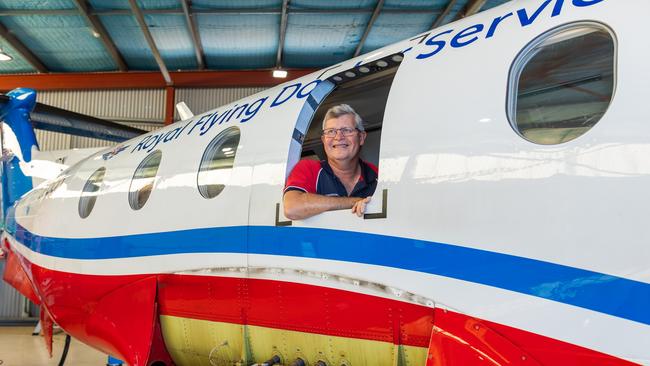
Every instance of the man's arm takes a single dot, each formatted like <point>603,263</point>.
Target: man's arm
<point>299,205</point>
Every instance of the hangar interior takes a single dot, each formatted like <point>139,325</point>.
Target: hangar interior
<point>131,61</point>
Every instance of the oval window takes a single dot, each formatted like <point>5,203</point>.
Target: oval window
<point>89,192</point>
<point>217,162</point>
<point>562,84</point>
<point>143,180</point>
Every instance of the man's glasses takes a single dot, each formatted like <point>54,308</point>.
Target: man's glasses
<point>345,131</point>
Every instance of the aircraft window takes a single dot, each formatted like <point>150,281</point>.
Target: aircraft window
<point>562,84</point>
<point>143,180</point>
<point>89,192</point>
<point>217,162</point>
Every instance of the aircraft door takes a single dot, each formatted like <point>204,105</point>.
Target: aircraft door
<point>313,273</point>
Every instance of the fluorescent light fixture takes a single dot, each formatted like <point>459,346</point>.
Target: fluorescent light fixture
<point>280,74</point>
<point>5,56</point>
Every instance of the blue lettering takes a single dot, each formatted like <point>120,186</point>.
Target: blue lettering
<point>210,122</point>
<point>141,143</point>
<point>302,93</point>
<point>581,3</point>
<point>156,139</point>
<point>223,116</point>
<point>495,24</point>
<point>279,101</point>
<point>215,120</point>
<point>557,9</point>
<point>171,134</point>
<point>253,109</point>
<point>439,45</point>
<point>241,110</point>
<point>183,129</point>
<point>523,15</point>
<point>200,121</point>
<point>457,42</point>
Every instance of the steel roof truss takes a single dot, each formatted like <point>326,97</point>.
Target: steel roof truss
<point>152,45</point>
<point>97,26</point>
<point>375,14</point>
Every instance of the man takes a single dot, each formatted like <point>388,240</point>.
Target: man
<point>342,181</point>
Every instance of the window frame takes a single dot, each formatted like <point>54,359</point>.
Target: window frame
<point>528,52</point>
<point>88,198</point>
<point>133,195</point>
<point>214,144</point>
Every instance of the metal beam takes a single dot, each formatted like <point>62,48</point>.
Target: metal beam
<point>283,33</point>
<point>474,7</point>
<point>97,27</point>
<point>170,96</point>
<point>152,45</point>
<point>443,15</point>
<point>242,11</point>
<point>375,14</point>
<point>146,80</point>
<point>196,37</point>
<point>22,49</point>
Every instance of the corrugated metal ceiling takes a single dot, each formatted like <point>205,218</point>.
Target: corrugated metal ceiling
<point>80,35</point>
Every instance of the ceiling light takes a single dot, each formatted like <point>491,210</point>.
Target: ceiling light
<point>280,74</point>
<point>5,56</point>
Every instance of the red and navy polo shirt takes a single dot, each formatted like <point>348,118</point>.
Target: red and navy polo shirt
<point>311,176</point>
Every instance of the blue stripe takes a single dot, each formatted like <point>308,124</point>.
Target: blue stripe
<point>595,291</point>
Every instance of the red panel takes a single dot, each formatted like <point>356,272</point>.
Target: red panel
<point>16,276</point>
<point>46,326</point>
<point>292,306</point>
<point>461,340</point>
<point>122,323</point>
<point>115,314</point>
<point>548,350</point>
<point>458,339</point>
<point>199,297</point>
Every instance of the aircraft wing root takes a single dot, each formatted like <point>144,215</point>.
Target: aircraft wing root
<point>16,276</point>
<point>125,322</point>
<point>457,339</point>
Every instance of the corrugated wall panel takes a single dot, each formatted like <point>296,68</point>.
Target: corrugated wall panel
<point>144,109</point>
<point>132,107</point>
<point>48,140</point>
<point>200,100</point>
<point>123,105</point>
<point>78,142</point>
<point>87,142</point>
<point>12,304</point>
<point>144,126</point>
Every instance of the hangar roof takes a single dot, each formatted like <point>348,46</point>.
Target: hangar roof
<point>72,36</point>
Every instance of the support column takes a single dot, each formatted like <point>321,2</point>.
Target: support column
<point>170,93</point>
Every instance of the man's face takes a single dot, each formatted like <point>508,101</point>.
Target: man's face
<point>343,148</point>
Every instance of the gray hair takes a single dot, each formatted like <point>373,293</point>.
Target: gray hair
<point>341,110</point>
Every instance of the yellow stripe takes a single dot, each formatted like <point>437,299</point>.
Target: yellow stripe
<point>202,342</point>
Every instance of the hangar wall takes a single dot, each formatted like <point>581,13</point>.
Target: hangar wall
<point>143,109</point>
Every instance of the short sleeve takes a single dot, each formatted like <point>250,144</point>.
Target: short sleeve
<point>303,177</point>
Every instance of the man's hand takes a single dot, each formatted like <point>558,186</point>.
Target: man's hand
<point>359,207</point>
<point>300,205</point>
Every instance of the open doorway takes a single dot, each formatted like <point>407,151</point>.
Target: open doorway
<point>365,88</point>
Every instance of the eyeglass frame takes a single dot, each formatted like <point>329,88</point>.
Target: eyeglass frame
<point>337,130</point>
